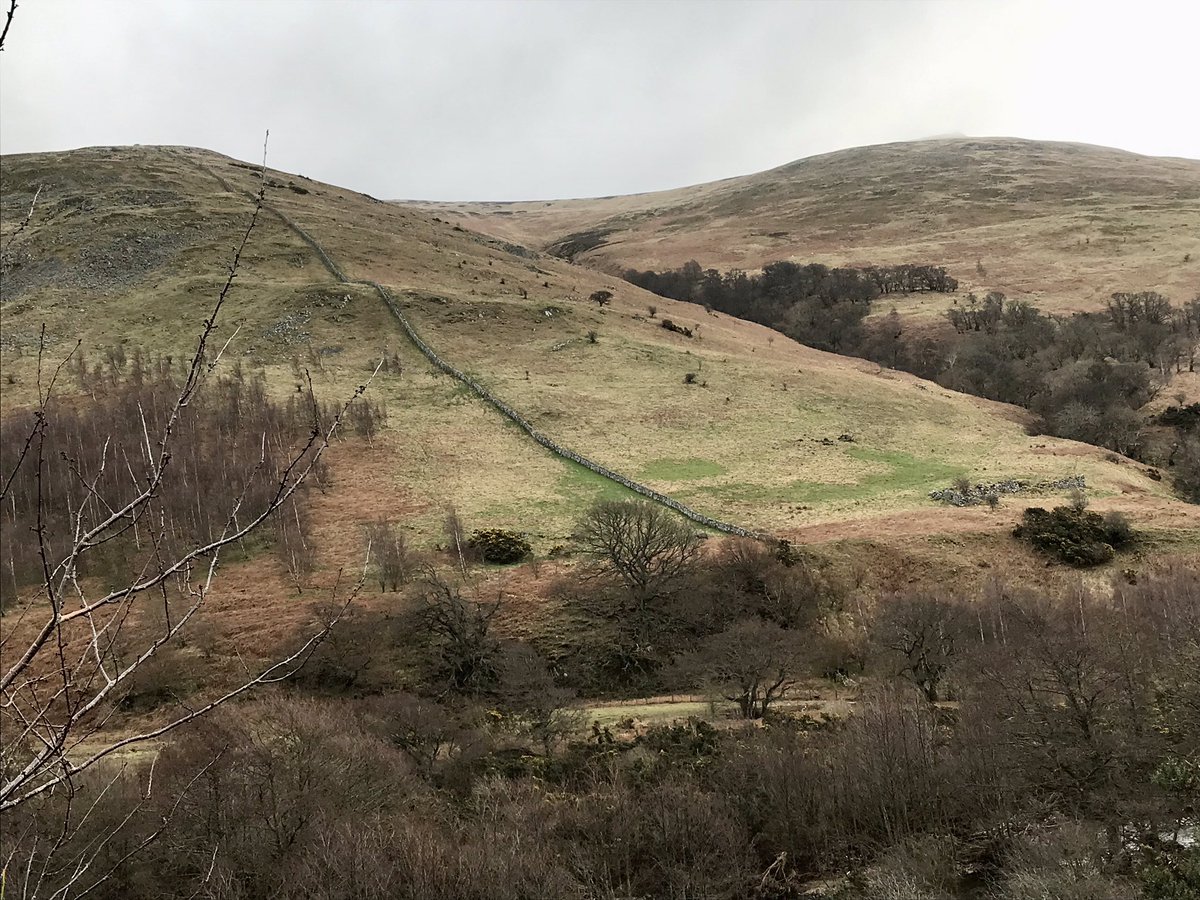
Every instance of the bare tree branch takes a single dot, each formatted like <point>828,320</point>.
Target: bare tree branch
<point>12,9</point>
<point>29,215</point>
<point>72,667</point>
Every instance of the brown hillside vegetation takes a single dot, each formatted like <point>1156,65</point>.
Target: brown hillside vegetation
<point>910,705</point>
<point>127,244</point>
<point>1064,225</point>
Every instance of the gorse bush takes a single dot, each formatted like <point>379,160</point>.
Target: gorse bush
<point>1075,536</point>
<point>1172,876</point>
<point>497,545</point>
<point>1185,418</point>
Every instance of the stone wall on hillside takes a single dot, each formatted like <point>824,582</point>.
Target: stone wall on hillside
<point>482,392</point>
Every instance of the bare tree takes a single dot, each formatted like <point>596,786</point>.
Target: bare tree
<point>923,633</point>
<point>1058,676</point>
<point>62,677</point>
<point>456,537</point>
<point>12,10</point>
<point>460,628</point>
<point>754,664</point>
<point>647,548</point>
<point>391,558</point>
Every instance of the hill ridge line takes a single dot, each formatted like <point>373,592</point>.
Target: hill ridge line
<point>476,388</point>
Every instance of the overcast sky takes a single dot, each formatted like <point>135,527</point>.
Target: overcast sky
<point>496,100</point>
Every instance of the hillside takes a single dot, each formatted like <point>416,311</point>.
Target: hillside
<point>1064,225</point>
<point>127,247</point>
<point>408,728</point>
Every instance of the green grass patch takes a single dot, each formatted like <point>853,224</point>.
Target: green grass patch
<point>1167,540</point>
<point>904,473</point>
<point>681,469</point>
<point>581,487</point>
<point>576,489</point>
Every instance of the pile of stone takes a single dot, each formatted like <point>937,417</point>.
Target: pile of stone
<point>975,494</point>
<point>290,329</point>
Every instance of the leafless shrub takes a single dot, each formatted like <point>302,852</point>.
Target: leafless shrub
<point>542,710</point>
<point>61,678</point>
<point>459,628</point>
<point>365,417</point>
<point>426,731</point>
<point>1064,863</point>
<point>282,774</point>
<point>686,843</point>
<point>391,559</point>
<point>920,868</point>
<point>355,655</point>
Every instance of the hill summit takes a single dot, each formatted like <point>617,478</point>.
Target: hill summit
<point>1063,224</point>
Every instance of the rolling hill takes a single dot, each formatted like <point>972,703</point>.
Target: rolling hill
<point>127,247</point>
<point>1064,225</point>
<point>432,739</point>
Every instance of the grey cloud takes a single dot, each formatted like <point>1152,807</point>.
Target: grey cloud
<point>500,100</point>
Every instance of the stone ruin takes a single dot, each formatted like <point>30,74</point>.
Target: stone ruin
<point>977,494</point>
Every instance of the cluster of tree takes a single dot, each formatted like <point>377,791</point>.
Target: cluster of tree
<point>1085,375</point>
<point>811,303</point>
<point>911,279</point>
<point>1066,766</point>
<point>1142,328</point>
<point>234,443</point>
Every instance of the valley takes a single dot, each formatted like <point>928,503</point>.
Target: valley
<point>492,617</point>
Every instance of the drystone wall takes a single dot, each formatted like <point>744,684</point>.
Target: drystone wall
<point>482,392</point>
<point>978,493</point>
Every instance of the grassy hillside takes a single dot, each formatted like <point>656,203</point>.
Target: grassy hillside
<point>127,248</point>
<point>437,720</point>
<point>1064,225</point>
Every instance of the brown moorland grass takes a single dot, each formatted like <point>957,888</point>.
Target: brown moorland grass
<point>128,246</point>
<point>127,250</point>
<point>1063,225</point>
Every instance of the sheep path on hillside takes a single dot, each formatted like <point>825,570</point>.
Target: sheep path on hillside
<point>475,387</point>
